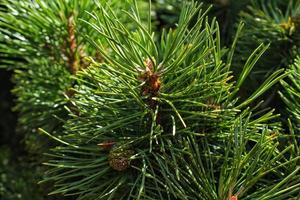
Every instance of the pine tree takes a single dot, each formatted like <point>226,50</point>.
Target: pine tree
<point>155,117</point>
<point>135,111</point>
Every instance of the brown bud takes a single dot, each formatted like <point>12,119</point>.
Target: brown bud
<point>119,159</point>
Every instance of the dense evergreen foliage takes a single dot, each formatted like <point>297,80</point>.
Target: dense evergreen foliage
<point>152,100</point>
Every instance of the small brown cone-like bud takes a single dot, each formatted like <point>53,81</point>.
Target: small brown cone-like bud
<point>235,197</point>
<point>151,79</point>
<point>119,159</point>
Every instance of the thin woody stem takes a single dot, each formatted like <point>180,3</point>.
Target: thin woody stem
<point>72,60</point>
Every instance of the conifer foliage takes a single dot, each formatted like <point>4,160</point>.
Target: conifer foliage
<point>291,94</point>
<point>133,111</point>
<point>40,44</point>
<point>275,22</point>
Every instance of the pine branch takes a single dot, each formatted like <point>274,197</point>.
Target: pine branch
<point>34,37</point>
<point>291,94</point>
<point>139,108</point>
<point>273,22</point>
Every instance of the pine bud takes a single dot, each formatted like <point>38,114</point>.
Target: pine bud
<point>119,159</point>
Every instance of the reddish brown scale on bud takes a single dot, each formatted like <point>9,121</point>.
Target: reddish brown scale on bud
<point>107,145</point>
<point>233,197</point>
<point>151,79</point>
<point>149,64</point>
<point>151,86</point>
<point>154,83</point>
